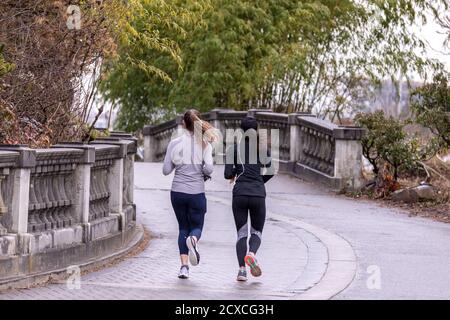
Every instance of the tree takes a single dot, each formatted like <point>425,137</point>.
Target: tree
<point>284,55</point>
<point>5,113</point>
<point>373,123</point>
<point>61,50</point>
<point>431,106</point>
<point>148,59</point>
<point>353,45</point>
<point>43,94</point>
<point>442,17</point>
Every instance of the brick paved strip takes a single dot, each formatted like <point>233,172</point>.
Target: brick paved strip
<point>204,289</point>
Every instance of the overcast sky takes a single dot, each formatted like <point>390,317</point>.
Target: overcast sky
<point>432,33</point>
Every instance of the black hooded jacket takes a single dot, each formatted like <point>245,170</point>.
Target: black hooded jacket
<point>250,179</point>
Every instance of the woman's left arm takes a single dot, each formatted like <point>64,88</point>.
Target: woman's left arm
<point>230,169</point>
<point>168,165</point>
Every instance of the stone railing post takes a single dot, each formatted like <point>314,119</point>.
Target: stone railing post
<point>115,185</point>
<point>82,184</point>
<point>129,165</point>
<point>348,156</point>
<point>21,187</point>
<point>294,138</point>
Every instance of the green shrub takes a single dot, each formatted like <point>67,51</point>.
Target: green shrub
<point>5,67</point>
<point>386,142</point>
<point>431,106</point>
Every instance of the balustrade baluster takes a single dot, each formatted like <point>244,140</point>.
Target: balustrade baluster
<point>38,188</point>
<point>3,208</point>
<point>51,184</point>
<point>32,222</point>
<point>57,188</point>
<point>105,207</point>
<point>45,189</point>
<point>33,199</point>
<point>41,220</point>
<point>95,184</point>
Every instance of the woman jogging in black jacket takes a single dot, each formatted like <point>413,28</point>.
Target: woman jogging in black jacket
<point>245,168</point>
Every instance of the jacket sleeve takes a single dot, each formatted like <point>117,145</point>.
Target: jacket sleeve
<point>168,165</point>
<point>230,168</point>
<point>266,176</point>
<point>208,163</point>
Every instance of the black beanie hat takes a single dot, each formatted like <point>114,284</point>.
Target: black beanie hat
<point>249,123</point>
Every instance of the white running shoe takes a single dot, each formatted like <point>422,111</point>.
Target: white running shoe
<point>194,256</point>
<point>184,272</point>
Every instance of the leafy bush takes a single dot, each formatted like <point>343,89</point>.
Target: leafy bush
<point>5,67</point>
<point>386,142</point>
<point>431,106</point>
<point>52,67</point>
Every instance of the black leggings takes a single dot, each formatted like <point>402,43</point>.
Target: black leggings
<point>242,205</point>
<point>190,210</point>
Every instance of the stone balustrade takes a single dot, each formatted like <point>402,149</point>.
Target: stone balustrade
<point>327,153</point>
<point>65,205</point>
<point>310,148</point>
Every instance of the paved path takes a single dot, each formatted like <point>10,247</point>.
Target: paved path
<point>316,245</point>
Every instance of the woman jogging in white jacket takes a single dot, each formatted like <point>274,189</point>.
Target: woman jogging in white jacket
<point>190,155</point>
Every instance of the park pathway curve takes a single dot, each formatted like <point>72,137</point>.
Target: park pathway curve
<point>316,245</point>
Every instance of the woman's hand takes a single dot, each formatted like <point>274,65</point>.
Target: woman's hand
<point>232,180</point>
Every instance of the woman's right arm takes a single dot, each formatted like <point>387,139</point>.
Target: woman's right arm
<point>230,171</point>
<point>168,165</point>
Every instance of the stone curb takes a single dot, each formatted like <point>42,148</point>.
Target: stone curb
<point>341,267</point>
